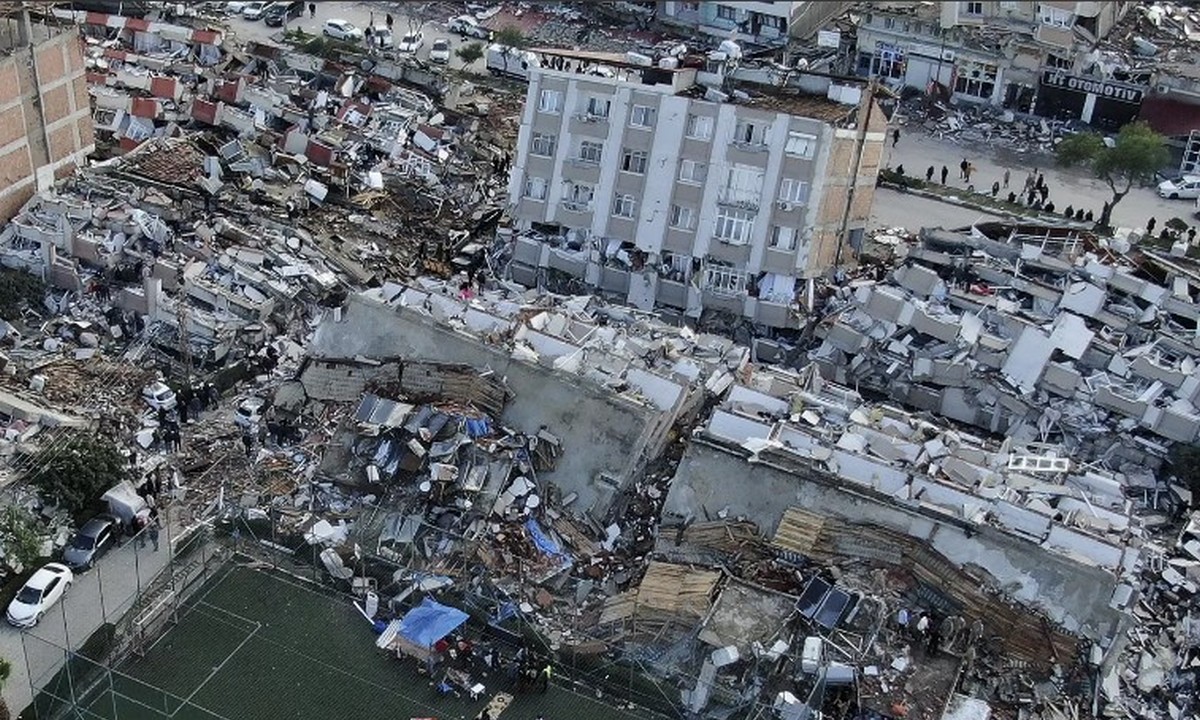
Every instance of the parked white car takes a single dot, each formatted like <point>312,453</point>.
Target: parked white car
<point>342,30</point>
<point>159,396</point>
<point>235,8</point>
<point>411,42</point>
<point>38,594</point>
<point>1187,186</point>
<point>255,10</point>
<point>467,26</point>
<point>381,37</point>
<point>439,51</point>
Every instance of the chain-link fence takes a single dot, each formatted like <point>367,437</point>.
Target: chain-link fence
<point>112,611</point>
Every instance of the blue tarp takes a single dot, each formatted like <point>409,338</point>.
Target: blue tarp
<point>429,622</point>
<point>542,540</point>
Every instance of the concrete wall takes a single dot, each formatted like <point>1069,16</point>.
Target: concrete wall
<point>1072,594</point>
<point>601,433</point>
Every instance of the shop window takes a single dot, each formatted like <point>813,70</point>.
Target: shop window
<point>1057,62</point>
<point>976,80</point>
<point>888,61</point>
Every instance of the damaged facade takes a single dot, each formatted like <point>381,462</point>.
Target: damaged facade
<point>649,183</point>
<point>1027,57</point>
<point>44,109</point>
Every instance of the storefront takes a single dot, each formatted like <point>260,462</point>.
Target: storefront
<point>1106,104</point>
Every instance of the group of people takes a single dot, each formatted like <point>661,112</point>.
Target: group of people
<point>1168,233</point>
<point>147,526</point>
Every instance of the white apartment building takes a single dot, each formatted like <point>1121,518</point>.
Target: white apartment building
<point>633,183</point>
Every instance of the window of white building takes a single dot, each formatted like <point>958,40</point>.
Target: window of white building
<point>699,127</point>
<point>633,161</point>
<point>579,196</point>
<point>794,191</point>
<point>590,152</point>
<point>723,278</point>
<point>598,106</point>
<point>753,133</point>
<point>691,171</point>
<point>972,8</point>
<point>734,226</point>
<point>682,218</point>
<point>543,144</point>
<point>782,238</point>
<point>726,12</point>
<point>624,206</point>
<point>643,116</point>
<point>801,144</point>
<point>550,101</point>
<point>535,188</point>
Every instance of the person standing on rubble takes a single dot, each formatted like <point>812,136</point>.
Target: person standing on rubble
<point>248,442</point>
<point>312,10</point>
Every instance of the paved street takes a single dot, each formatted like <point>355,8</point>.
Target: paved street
<point>897,209</point>
<point>361,14</point>
<point>917,151</point>
<point>100,595</point>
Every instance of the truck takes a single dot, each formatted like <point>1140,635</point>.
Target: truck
<point>504,60</point>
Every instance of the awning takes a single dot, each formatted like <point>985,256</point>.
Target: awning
<point>429,622</point>
<point>1173,118</point>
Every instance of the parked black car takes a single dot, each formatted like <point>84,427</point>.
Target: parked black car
<point>281,12</point>
<point>91,542</point>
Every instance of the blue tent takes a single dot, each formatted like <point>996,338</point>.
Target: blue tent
<point>429,622</point>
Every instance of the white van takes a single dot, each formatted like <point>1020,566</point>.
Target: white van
<point>504,60</point>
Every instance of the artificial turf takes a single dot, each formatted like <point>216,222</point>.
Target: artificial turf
<point>253,645</point>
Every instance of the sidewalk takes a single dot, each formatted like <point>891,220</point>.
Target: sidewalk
<point>101,595</point>
<point>1068,186</point>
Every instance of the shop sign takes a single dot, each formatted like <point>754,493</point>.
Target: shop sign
<point>1100,88</point>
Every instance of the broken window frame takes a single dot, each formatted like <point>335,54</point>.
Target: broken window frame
<point>543,144</point>
<point>976,79</point>
<point>550,101</point>
<point>743,184</point>
<point>579,195</point>
<point>1055,17</point>
<point>749,132</point>
<point>590,152</point>
<point>722,278</point>
<point>734,226</point>
<point>634,161</point>
<point>624,206</point>
<point>649,116</point>
<point>682,218</point>
<point>699,127</point>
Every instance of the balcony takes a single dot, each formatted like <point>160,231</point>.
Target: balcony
<point>740,199</point>
<point>576,206</point>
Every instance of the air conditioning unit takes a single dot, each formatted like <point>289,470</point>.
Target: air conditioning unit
<point>784,206</point>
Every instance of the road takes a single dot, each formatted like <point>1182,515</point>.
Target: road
<point>362,15</point>
<point>1068,187</point>
<point>100,595</point>
<point>897,209</point>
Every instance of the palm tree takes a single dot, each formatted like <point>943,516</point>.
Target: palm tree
<point>5,671</point>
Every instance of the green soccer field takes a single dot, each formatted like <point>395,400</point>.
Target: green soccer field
<point>256,646</point>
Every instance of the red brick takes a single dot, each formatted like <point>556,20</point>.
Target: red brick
<point>56,104</point>
<point>62,142</point>
<point>12,125</point>
<point>15,166</point>
<point>50,65</point>
<point>10,85</point>
<point>163,87</point>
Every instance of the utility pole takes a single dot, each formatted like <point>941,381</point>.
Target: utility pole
<point>863,121</point>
